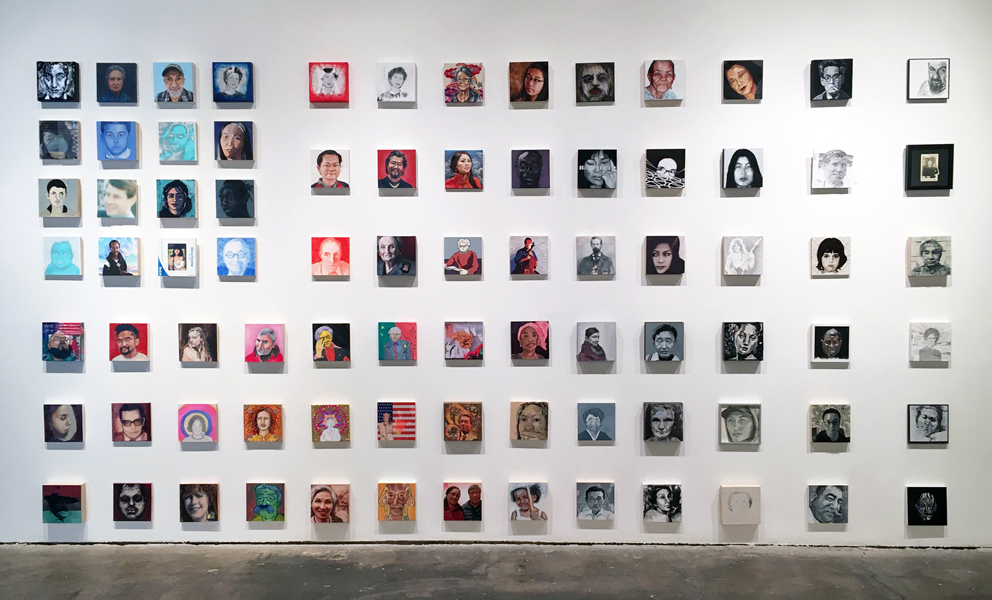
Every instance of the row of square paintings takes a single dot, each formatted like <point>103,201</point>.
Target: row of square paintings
<point>118,198</point>
<point>465,340</point>
<point>117,141</point>
<point>462,501</point>
<point>465,83</point>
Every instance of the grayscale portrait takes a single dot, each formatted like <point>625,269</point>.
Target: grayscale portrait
<point>833,169</point>
<point>830,423</point>
<point>593,82</point>
<point>664,341</point>
<point>596,341</point>
<point>930,342</point>
<point>664,169</point>
<point>830,256</point>
<point>597,421</point>
<point>928,78</point>
<point>595,255</point>
<point>826,504</point>
<point>742,168</point>
<point>926,506</point>
<point>929,256</point>
<point>663,422</point>
<point>740,505</point>
<point>740,424</point>
<point>830,343</point>
<point>831,79</point>
<point>743,341</point>
<point>597,169</point>
<point>58,81</point>
<point>594,501</point>
<point>662,503</point>
<point>929,423</point>
<point>743,255</point>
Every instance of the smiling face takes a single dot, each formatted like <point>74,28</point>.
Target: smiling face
<point>930,253</point>
<point>322,505</point>
<point>388,248</point>
<point>746,340</point>
<point>662,422</point>
<point>231,81</point>
<point>740,81</point>
<point>465,423</point>
<point>593,339</point>
<point>827,506</point>
<point>175,200</point>
<point>329,169</point>
<point>174,82</point>
<point>740,426</point>
<point>743,172</point>
<point>532,424</point>
<point>533,82</point>
<point>115,137</point>
<point>235,257</point>
<point>116,202</point>
<point>127,343</point>
<point>131,501</point>
<point>197,505</point>
<point>453,496</point>
<point>115,248</point>
<point>831,425</point>
<point>528,339</point>
<point>661,257</point>
<point>396,81</point>
<point>395,168</point>
<point>196,429</point>
<point>232,141</point>
<point>522,500</point>
<point>595,83</point>
<point>835,171</point>
<point>462,81</point>
<point>61,255</point>
<point>396,497</point>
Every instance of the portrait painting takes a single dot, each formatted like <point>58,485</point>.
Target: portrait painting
<point>930,342</point>
<point>128,342</point>
<point>594,83</point>
<point>61,342</point>
<point>119,256</point>
<point>928,423</point>
<point>330,423</point>
<point>177,142</point>
<point>664,341</point>
<point>926,506</point>
<point>833,169</point>
<point>330,503</point>
<point>664,168</point>
<point>464,83</point>
<point>665,255</point>
<point>331,342</point>
<point>329,82</point>
<point>528,255</point>
<point>199,502</point>
<point>742,79</point>
<point>463,256</point>
<point>117,83</point>
<point>396,421</point>
<point>62,503</point>
<point>596,341</point>
<point>663,422</point>
<point>930,167</point>
<point>740,424</point>
<point>928,79</point>
<point>58,81</point>
<point>177,257</point>
<point>740,505</point>
<point>263,423</point>
<point>235,198</point>
<point>396,83</point>
<point>58,197</point>
<point>332,171</point>
<point>462,501</point>
<point>664,79</point>
<point>264,342</point>
<point>198,342</point>
<point>117,198</point>
<point>526,501</point>
<point>330,256</point>
<point>132,502</point>
<point>662,503</point>
<point>174,82</point>
<point>529,82</point>
<point>234,141</point>
<point>530,340</point>
<point>463,340</point>
<point>59,140</point>
<point>397,502</point>
<point>597,421</point>
<point>830,423</point>
<point>743,341</point>
<point>743,255</point>
<point>396,255</point>
<point>594,501</point>
<point>595,255</point>
<point>175,198</point>
<point>63,423</point>
<point>117,140</point>
<point>826,504</point>
<point>831,79</point>
<point>742,168</point>
<point>198,423</point>
<point>233,82</point>
<point>397,341</point>
<point>463,169</point>
<point>235,257</point>
<point>397,169</point>
<point>830,256</point>
<point>830,343</point>
<point>265,502</point>
<point>131,422</point>
<point>597,169</point>
<point>62,256</point>
<point>462,421</point>
<point>529,421</point>
<point>531,169</point>
<point>929,256</point>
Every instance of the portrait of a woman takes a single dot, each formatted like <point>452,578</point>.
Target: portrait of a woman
<point>234,141</point>
<point>452,510</point>
<point>742,79</point>
<point>831,257</point>
<point>63,423</point>
<point>196,348</point>
<point>597,169</point>
<point>663,503</point>
<point>591,350</point>
<point>197,502</point>
<point>465,85</point>
<point>743,170</point>
<point>532,341</point>
<point>664,255</point>
<point>463,171</point>
<point>324,505</point>
<point>177,142</point>
<point>177,202</point>
<point>534,84</point>
<point>532,421</point>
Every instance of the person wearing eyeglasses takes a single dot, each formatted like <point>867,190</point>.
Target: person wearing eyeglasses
<point>133,422</point>
<point>832,73</point>
<point>238,259</point>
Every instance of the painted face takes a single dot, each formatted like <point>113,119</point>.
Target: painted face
<point>115,248</point>
<point>831,424</point>
<point>322,505</point>
<point>61,255</point>
<point>329,169</point>
<point>746,340</point>
<point>740,426</point>
<point>743,172</point>
<point>396,497</point>
<point>739,502</point>
<point>463,82</point>
<point>522,499</point>
<point>394,335</point>
<point>175,200</point>
<point>595,501</point>
<point>463,246</point>
<point>267,497</point>
<point>177,138</point>
<point>596,244</point>
<point>836,171</point>
<point>344,502</point>
<point>531,425</point>
<point>56,196</point>
<point>595,82</point>
<point>131,502</point>
<point>229,201</point>
<point>533,82</point>
<point>529,169</point>
<point>663,500</point>
<point>662,422</point>
<point>61,420</point>
<point>464,164</point>
<point>264,421</point>
<point>115,81</point>
<point>235,257</point>
<point>661,258</point>
<point>127,343</point>
<point>395,168</point>
<point>195,341</point>
<point>325,339</point>
<point>930,255</point>
<point>830,262</point>
<point>454,496</point>
<point>928,421</point>
<point>831,80</point>
<point>388,251</point>
<point>664,342</point>
<point>197,506</point>
<point>831,343</point>
<point>57,79</point>
<point>231,82</point>
<point>133,423</point>
<point>264,344</point>
<point>528,339</point>
<point>329,78</point>
<point>330,252</point>
<point>594,339</point>
<point>196,429</point>
<point>116,202</point>
<point>465,423</point>
<point>174,82</point>
<point>662,76</point>
<point>937,76</point>
<point>596,167</point>
<point>593,423</point>
<point>827,506</point>
<point>232,141</point>
<point>396,81</point>
<point>740,81</point>
<point>115,137</point>
<point>386,417</point>
<point>330,421</point>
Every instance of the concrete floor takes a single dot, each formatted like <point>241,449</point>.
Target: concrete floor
<point>249,572</point>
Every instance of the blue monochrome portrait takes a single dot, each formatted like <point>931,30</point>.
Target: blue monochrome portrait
<point>117,140</point>
<point>235,257</point>
<point>233,82</point>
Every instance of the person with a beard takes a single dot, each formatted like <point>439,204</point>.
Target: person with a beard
<point>266,349</point>
<point>59,347</point>
<point>594,82</point>
<point>596,263</point>
<point>395,168</point>
<point>268,499</point>
<point>134,502</point>
<point>128,340</point>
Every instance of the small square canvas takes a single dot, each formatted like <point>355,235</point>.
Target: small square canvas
<point>177,142</point>
<point>740,424</point>
<point>743,79</point>
<point>117,198</point>
<point>265,502</point>
<point>63,423</point>
<point>396,83</point>
<point>117,140</point>
<point>929,256</point>
<point>662,503</point>
<point>132,502</point>
<point>174,82</point>
<point>594,255</point>
<point>396,421</point>
<point>832,169</point>
<point>462,421</point>
<point>330,503</point>
<point>596,341</point>
<point>397,169</point>
<point>742,168</point>
<point>597,169</point>
<point>265,342</point>
<point>233,82</point>
<point>831,79</point>
<point>830,256</point>
<point>740,505</point>
<point>198,423</point>
<point>463,256</point>
<point>664,80</point>
<point>119,256</point>
<point>235,198</point>
<point>329,82</point>
<point>58,81</point>
<point>62,503</point>
<point>396,255</point>
<point>176,198</point>
<point>930,342</point>
<point>61,342</point>
<point>198,502</point>
<point>531,169</point>
<point>332,342</point>
<point>743,255</point>
<point>664,169</point>
<point>830,423</point>
<point>332,171</point>
<point>58,197</point>
<point>827,504</point>
<point>830,343</point>
<point>235,257</point>
<point>529,82</point>
<point>929,423</point>
<point>530,340</point>
<point>234,141</point>
<point>926,506</point>
<point>263,423</point>
<point>597,421</point>
<point>198,342</point>
<point>528,255</point>
<point>177,257</point>
<point>928,78</point>
<point>663,422</point>
<point>131,422</point>
<point>59,140</point>
<point>462,501</point>
<point>117,83</point>
<point>330,423</point>
<point>128,342</point>
<point>743,341</point>
<point>595,501</point>
<point>665,255</point>
<point>62,256</point>
<point>463,340</point>
<point>397,502</point>
<point>529,421</point>
<point>397,341</point>
<point>594,83</point>
<point>464,83</point>
<point>525,501</point>
<point>463,169</point>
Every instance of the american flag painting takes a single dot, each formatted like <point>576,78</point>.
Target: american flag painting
<point>400,424</point>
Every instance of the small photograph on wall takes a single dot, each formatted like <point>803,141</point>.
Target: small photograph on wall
<point>198,502</point>
<point>62,504</point>
<point>176,198</point>
<point>664,80</point>
<point>330,503</point>
<point>929,423</point>
<point>332,342</point>
<point>463,169</point>
<point>930,167</point>
<point>531,169</point>
<point>463,256</point>
<point>740,505</point>
<point>528,501</point>
<point>235,257</point>
<point>234,82</point>
<point>397,169</point>
<point>930,342</point>
<point>665,255</point>
<point>594,82</point>
<point>743,255</point>
<point>926,506</point>
<point>265,502</point>
<point>174,82</point>
<point>597,421</point>
<point>117,198</point>
<point>464,83</point>
<point>235,198</point>
<point>396,255</point>
<point>529,82</point>
<point>330,423</point>
<point>528,255</point>
<point>928,78</point>
<point>530,340</point>
<point>597,169</point>
<point>198,342</point>
<point>330,256</point>
<point>831,79</point>
<point>462,421</point>
<point>462,501</point>
<point>396,421</point>
<point>663,422</point>
<point>128,342</point>
<point>264,342</point>
<point>177,257</point>
<point>117,140</point>
<point>529,421</point>
<point>929,256</point>
<point>131,422</point>
<point>662,503</point>
<point>664,341</point>
<point>61,342</point>
<point>830,343</point>
<point>234,140</point>
<point>595,254</point>
<point>596,341</point>
<point>59,140</point>
<point>830,423</point>
<point>132,502</point>
<point>743,341</point>
<point>396,83</point>
<point>827,504</point>
<point>397,341</point>
<point>740,424</point>
<point>63,423</point>
<point>177,142</point>
<point>463,340</point>
<point>742,79</point>
<point>198,423</point>
<point>117,83</point>
<point>594,501</point>
<point>833,169</point>
<point>58,197</point>
<point>830,256</point>
<point>263,423</point>
<point>119,256</point>
<point>742,168</point>
<point>664,169</point>
<point>329,82</point>
<point>58,81</point>
<point>63,256</point>
<point>333,170</point>
<point>397,502</point>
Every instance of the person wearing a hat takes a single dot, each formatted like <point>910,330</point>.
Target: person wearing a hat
<point>741,424</point>
<point>174,79</point>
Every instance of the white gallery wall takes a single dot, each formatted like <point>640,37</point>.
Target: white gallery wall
<point>877,300</point>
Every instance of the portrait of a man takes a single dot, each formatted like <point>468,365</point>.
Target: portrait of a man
<point>332,170</point>
<point>929,78</point>
<point>831,343</point>
<point>117,198</point>
<point>128,342</point>
<point>236,257</point>
<point>594,82</point>
<point>397,341</point>
<point>398,169</point>
<point>397,502</point>
<point>929,423</point>
<point>663,422</point>
<point>131,422</point>
<point>58,81</point>
<point>827,504</point>
<point>930,256</point>
<point>117,140</point>
<point>595,253</point>
<point>262,343</point>
<point>396,421</point>
<point>132,502</point>
<point>329,256</point>
<point>594,501</point>
<point>830,423</point>
<point>266,502</point>
<point>740,505</point>
<point>833,169</point>
<point>170,85</point>
<point>235,198</point>
<point>597,421</point>
<point>119,257</point>
<point>117,83</point>
<point>462,421</point>
<point>531,169</point>
<point>664,342</point>
<point>831,79</point>
<point>743,341</point>
<point>61,342</point>
<point>455,510</point>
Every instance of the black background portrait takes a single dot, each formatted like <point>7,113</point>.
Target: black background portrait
<point>847,87</point>
<point>129,92</point>
<point>939,515</point>
<point>845,335</point>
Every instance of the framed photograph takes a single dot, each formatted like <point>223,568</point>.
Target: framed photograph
<point>742,79</point>
<point>530,340</point>
<point>926,506</point>
<point>177,257</point>
<point>59,140</point>
<point>176,198</point>
<point>397,502</point>
<point>333,168</point>
<point>329,82</point>
<point>830,423</point>
<point>198,342</point>
<point>58,197</point>
<point>594,501</point>
<point>928,79</point>
<point>131,422</point>
<point>62,503</point>
<point>330,503</point>
<point>529,421</point>
<point>235,198</point>
<point>233,82</point>
<point>528,255</point>
<point>332,342</point>
<point>594,82</point>
<point>930,167</point>
<point>264,342</point>
<point>454,507</point>
<point>665,255</point>
<point>265,502</point>
<point>263,423</point>
<point>117,198</point>
<point>63,257</point>
<point>525,501</point>
<point>664,341</point>
<point>198,423</point>
<point>594,255</point>
<point>462,421</point>
<point>826,504</point>
<point>597,421</point>
<point>930,342</point>
<point>234,140</point>
<point>132,502</point>
<point>664,80</point>
<point>463,169</point>
<point>662,503</point>
<point>597,169</point>
<point>117,140</point>
<point>929,256</point>
<point>928,423</point>
<point>397,341</point>
<point>463,256</point>
<point>740,424</point>
<point>119,256</point>
<point>832,169</point>
<point>235,257</point>
<point>63,423</point>
<point>174,82</point>
<point>663,422</point>
<point>129,342</point>
<point>396,255</point>
<point>830,343</point>
<point>742,168</point>
<point>198,502</point>
<point>62,342</point>
<point>397,169</point>
<point>58,81</point>
<point>743,255</point>
<point>330,423</point>
<point>463,340</point>
<point>177,142</point>
<point>831,79</point>
<point>396,421</point>
<point>664,169</point>
<point>396,83</point>
<point>117,83</point>
<point>531,169</point>
<point>464,83</point>
<point>744,341</point>
<point>830,256</point>
<point>529,82</point>
<point>740,505</point>
<point>596,341</point>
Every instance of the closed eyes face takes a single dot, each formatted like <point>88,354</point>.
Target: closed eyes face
<point>740,80</point>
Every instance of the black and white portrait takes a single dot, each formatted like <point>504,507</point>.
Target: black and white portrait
<point>662,503</point>
<point>830,256</point>
<point>827,504</point>
<point>594,255</point>
<point>596,341</point>
<point>664,255</point>
<point>930,342</point>
<point>597,421</point>
<point>740,505</point>
<point>663,422</point>
<point>929,167</point>
<point>929,256</point>
<point>833,169</point>
<point>830,423</point>
<point>59,140</point>
<point>742,168</point>
<point>926,506</point>
<point>664,169</point>
<point>593,82</point>
<point>743,341</point>
<point>831,79</point>
<point>928,78</point>
<point>928,423</point>
<point>58,81</point>
<point>743,255</point>
<point>830,343</point>
<point>664,341</point>
<point>740,424</point>
<point>597,169</point>
<point>396,82</point>
<point>117,83</point>
<point>594,501</point>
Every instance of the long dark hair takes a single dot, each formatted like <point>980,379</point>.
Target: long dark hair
<point>752,67</point>
<point>542,96</point>
<point>453,163</point>
<point>730,182</point>
<point>678,264</point>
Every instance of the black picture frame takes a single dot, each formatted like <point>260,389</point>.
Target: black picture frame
<point>942,179</point>
<point>944,425</point>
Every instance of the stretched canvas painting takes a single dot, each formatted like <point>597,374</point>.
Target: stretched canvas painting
<point>235,257</point>
<point>199,502</point>
<point>740,505</point>
<point>597,169</point>
<point>177,142</point>
<point>663,422</point>
<point>463,169</point>
<point>396,255</point>
<point>664,168</point>
<point>929,423</point>
<point>831,79</point>
<point>832,169</point>
<point>530,340</point>
<point>235,198</point>
<point>58,197</point>
<point>462,501</point>
<point>263,423</point>
<point>830,256</point>
<point>597,421</point>
<point>531,169</point>
<point>595,255</point>
<point>330,503</point>
<point>397,502</point>
<point>594,501</point>
<point>463,340</point>
<point>742,168</point>
<point>177,257</point>
<point>463,256</point>
<point>265,502</point>
<point>528,255</point>
<point>333,170</point>
<point>830,423</point>
<point>117,140</point>
<point>930,342</point>
<point>662,503</point>
<point>176,198</point>
<point>174,82</point>
<point>594,82</point>
<point>596,341</point>
<point>396,83</point>
<point>743,79</point>
<point>63,423</point>
<point>529,421</point>
<point>58,81</point>
<point>740,424</point>
<point>129,342</point>
<point>131,422</point>
<point>264,342</point>
<point>397,341</point>
<point>63,256</point>
<point>59,140</point>
<point>664,79</point>
<point>198,342</point>
<point>198,423</point>
<point>928,78</point>
<point>396,421</point>
<point>119,256</point>
<point>827,504</point>
<point>529,82</point>
<point>62,504</point>
<point>397,169</point>
<point>743,255</point>
<point>234,141</point>
<point>464,83</point>
<point>117,83</point>
<point>526,501</point>
<point>329,82</point>
<point>132,502</point>
<point>233,82</point>
<point>462,421</point>
<point>665,255</point>
<point>332,342</point>
<point>61,342</point>
<point>830,343</point>
<point>117,198</point>
<point>330,423</point>
<point>929,256</point>
<point>926,506</point>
